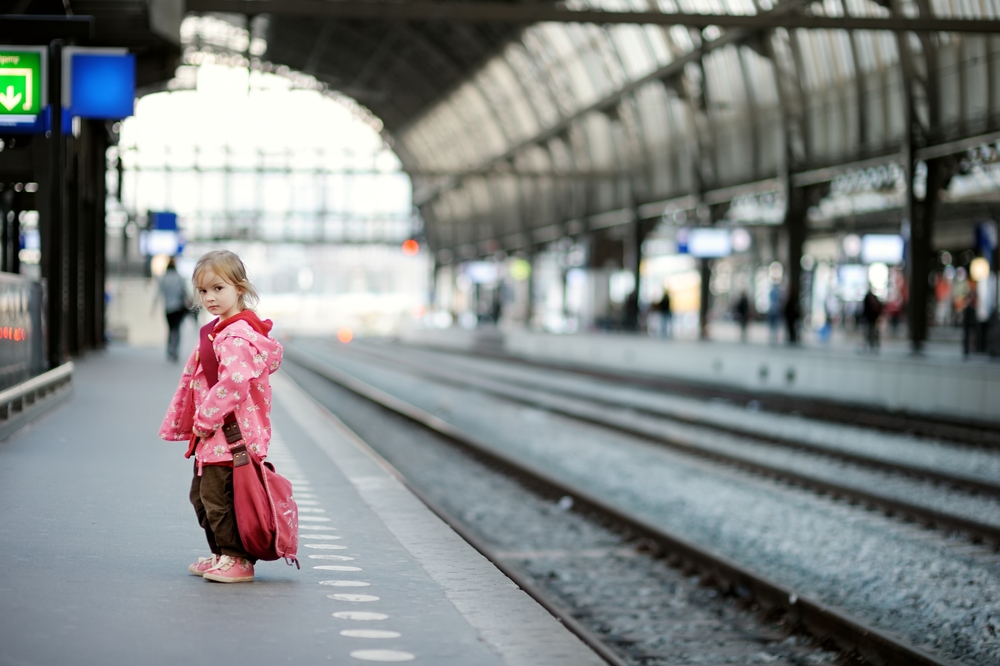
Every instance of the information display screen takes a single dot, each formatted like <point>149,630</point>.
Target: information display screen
<point>882,249</point>
<point>709,243</point>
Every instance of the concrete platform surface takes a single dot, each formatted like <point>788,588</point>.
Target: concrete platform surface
<point>96,534</point>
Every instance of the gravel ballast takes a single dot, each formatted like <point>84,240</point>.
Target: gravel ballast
<point>936,455</point>
<point>939,594</point>
<point>817,466</point>
<point>649,613</point>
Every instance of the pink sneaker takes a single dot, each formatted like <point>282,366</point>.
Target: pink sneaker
<point>203,564</point>
<point>230,570</point>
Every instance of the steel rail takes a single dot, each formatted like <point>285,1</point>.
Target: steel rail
<point>913,471</point>
<point>976,530</point>
<point>816,618</point>
<point>955,431</point>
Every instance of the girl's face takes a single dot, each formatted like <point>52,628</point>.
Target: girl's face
<point>218,296</point>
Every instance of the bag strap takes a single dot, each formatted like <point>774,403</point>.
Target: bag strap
<point>206,353</point>
<point>241,456</point>
<point>210,364</point>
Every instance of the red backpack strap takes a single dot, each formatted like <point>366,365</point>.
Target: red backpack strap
<point>206,354</point>
<point>210,364</point>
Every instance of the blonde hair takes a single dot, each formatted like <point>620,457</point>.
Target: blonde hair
<point>228,266</point>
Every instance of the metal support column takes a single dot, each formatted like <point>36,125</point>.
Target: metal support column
<point>705,302</point>
<point>795,236</point>
<point>532,259</point>
<point>92,164</point>
<point>51,225</point>
<point>99,235</point>
<point>74,219</point>
<point>921,246</point>
<point>632,262</point>
<point>7,206</point>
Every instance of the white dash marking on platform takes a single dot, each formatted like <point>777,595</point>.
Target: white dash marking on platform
<point>336,567</point>
<point>369,633</point>
<point>382,655</point>
<point>355,598</point>
<point>360,616</point>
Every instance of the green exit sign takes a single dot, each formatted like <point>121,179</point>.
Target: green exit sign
<point>21,84</point>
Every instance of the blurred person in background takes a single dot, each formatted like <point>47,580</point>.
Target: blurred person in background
<point>792,312</point>
<point>630,320</point>
<point>774,312</point>
<point>742,312</point>
<point>871,310</point>
<point>665,314</point>
<point>942,297</point>
<point>961,292</point>
<point>970,325</point>
<point>896,306</point>
<point>176,303</point>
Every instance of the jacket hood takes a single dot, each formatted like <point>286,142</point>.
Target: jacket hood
<point>249,316</point>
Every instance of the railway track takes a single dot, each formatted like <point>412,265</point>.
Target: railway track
<point>959,431</point>
<point>967,483</point>
<point>582,408</point>
<point>816,618</point>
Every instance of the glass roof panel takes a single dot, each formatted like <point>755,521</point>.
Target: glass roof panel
<point>544,81</point>
<point>514,106</point>
<point>535,84</point>
<point>637,55</point>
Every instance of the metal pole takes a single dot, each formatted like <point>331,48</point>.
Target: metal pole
<point>53,264</point>
<point>6,206</point>
<point>99,263</point>
<point>705,269</point>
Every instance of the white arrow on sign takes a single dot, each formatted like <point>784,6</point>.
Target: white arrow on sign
<point>10,100</point>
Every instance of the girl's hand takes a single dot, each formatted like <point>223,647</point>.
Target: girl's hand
<point>199,433</point>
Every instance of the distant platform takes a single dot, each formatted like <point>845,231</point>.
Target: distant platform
<point>941,383</point>
<point>98,532</point>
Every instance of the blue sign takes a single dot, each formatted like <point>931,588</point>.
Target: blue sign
<point>102,85</point>
<point>986,239</point>
<point>163,221</point>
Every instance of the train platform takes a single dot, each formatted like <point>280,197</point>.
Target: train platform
<point>939,383</point>
<point>97,534</point>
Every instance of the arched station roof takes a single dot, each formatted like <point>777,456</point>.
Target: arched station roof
<point>517,132</point>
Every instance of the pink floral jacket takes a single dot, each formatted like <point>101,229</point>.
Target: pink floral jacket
<point>247,357</point>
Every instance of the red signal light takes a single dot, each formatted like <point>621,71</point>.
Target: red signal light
<point>410,247</point>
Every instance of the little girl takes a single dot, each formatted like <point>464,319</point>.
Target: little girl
<point>236,349</point>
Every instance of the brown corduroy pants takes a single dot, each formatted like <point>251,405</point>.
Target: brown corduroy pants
<point>212,497</point>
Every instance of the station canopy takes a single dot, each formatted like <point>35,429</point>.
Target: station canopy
<point>517,132</point>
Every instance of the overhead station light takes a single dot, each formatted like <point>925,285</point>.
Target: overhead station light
<point>979,269</point>
<point>882,249</point>
<point>411,247</point>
